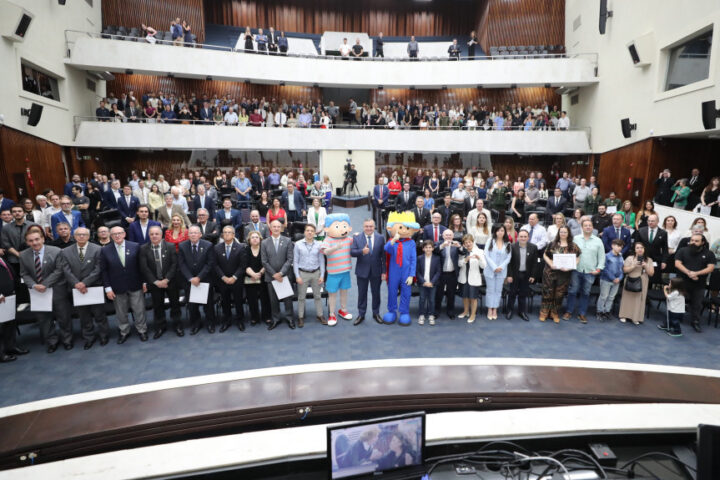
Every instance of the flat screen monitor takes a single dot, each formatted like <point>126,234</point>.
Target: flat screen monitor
<point>374,447</point>
<point>708,452</point>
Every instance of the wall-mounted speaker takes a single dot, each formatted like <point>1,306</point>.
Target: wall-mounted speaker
<point>14,21</point>
<point>33,113</point>
<point>642,49</point>
<point>61,2</point>
<point>604,15</point>
<point>627,127</point>
<point>709,115</point>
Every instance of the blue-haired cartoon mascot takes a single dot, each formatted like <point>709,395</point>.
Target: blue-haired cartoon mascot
<point>401,260</point>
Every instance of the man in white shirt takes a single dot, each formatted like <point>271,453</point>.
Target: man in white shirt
<point>231,117</point>
<point>179,199</point>
<point>162,184</point>
<point>473,215</point>
<point>538,234</point>
<point>344,49</point>
<point>459,194</point>
<point>563,122</point>
<point>280,118</point>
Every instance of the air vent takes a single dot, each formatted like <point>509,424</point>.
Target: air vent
<point>577,22</point>
<point>90,84</point>
<point>575,99</point>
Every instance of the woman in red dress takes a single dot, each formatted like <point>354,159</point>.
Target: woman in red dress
<point>177,233</point>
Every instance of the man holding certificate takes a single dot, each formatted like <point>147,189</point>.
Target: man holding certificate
<point>81,267</point>
<point>196,261</point>
<point>591,264</point>
<point>41,270</point>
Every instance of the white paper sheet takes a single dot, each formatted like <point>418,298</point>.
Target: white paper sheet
<point>283,289</point>
<point>94,296</point>
<point>7,309</point>
<point>41,302</point>
<point>611,210</point>
<point>200,293</point>
<point>565,260</point>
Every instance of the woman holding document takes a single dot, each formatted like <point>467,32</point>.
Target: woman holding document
<point>556,278</point>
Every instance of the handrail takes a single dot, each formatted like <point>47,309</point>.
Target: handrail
<point>165,43</point>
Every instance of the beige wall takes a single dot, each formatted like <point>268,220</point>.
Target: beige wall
<point>332,163</point>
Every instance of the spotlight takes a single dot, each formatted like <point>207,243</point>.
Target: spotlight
<point>248,82</point>
<point>444,87</point>
<point>315,85</point>
<point>412,87</point>
<point>171,75</point>
<point>513,85</point>
<point>128,71</point>
<point>479,87</point>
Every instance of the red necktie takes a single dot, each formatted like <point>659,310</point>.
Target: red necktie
<point>436,234</point>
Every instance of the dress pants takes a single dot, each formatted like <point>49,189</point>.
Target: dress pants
<point>194,309</point>
<point>695,292</point>
<point>86,314</point>
<point>258,293</point>
<point>130,300</point>
<point>447,286</point>
<point>294,215</point>
<point>275,305</point>
<point>520,288</point>
<point>231,294</point>
<point>61,314</point>
<point>8,336</point>
<point>362,285</point>
<point>158,301</point>
<point>309,279</point>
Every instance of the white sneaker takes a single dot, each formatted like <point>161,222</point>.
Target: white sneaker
<point>421,320</point>
<point>432,319</point>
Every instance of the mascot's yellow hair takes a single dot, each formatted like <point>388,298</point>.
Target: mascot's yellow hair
<point>405,218</point>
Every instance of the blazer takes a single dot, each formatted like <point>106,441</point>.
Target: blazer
<point>372,264</point>
<point>235,265</point>
<point>553,208</point>
<point>76,271</point>
<point>422,217</point>
<point>67,189</point>
<point>168,260</point>
<point>206,114</point>
<point>658,249</point>
<point>211,231</point>
<point>135,231</point>
<point>442,253</point>
<point>6,204</point>
<point>108,200</point>
<point>59,217</point>
<point>428,233</point>
<point>201,265</point>
<point>262,228</point>
<point>299,201</point>
<point>165,219</point>
<point>52,272</point>
<point>445,212</point>
<point>401,205</point>
<point>474,275</point>
<point>209,205</point>
<point>381,193</point>
<point>435,269</point>
<point>531,261</point>
<point>276,261</point>
<point>121,279</point>
<point>127,209</point>
<point>608,235</point>
<point>235,217</point>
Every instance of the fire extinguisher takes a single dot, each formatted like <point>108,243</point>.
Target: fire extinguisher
<point>29,175</point>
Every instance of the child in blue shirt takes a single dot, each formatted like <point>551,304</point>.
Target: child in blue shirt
<point>610,279</point>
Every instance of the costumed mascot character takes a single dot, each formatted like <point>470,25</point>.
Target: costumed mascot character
<point>401,260</point>
<point>336,249</point>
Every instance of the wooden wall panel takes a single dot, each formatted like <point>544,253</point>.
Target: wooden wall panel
<point>617,166</point>
<point>481,24</point>
<point>488,96</point>
<point>157,14</point>
<point>45,163</point>
<point>147,83</point>
<point>122,162</point>
<point>397,18</point>
<point>525,22</point>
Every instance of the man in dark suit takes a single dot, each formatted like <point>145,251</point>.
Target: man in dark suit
<point>664,191</point>
<point>522,270</point>
<point>81,267</point>
<point>228,215</point>
<point>158,265</point>
<point>206,114</point>
<point>381,195</point>
<point>196,260</point>
<point>132,113</point>
<point>41,268</point>
<point>127,205</point>
<point>139,229</point>
<point>293,203</point>
<point>111,197</point>
<point>405,199</point>
<point>656,245</point>
<point>276,252</point>
<point>67,189</point>
<point>5,203</point>
<point>369,249</point>
<point>203,200</point>
<point>9,349</point>
<point>696,183</point>
<point>230,265</point>
<point>435,230</point>
<point>120,265</point>
<point>255,225</point>
<point>555,204</point>
<point>445,210</point>
<point>422,214</point>
<point>448,250</point>
<point>208,228</point>
<point>617,230</point>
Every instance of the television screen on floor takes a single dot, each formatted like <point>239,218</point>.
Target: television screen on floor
<point>376,446</point>
<point>708,452</point>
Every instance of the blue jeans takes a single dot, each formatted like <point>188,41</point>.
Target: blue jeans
<point>427,301</point>
<point>608,290</point>
<point>674,319</point>
<point>580,284</point>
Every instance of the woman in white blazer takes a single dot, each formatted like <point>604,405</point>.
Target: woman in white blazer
<point>316,216</point>
<point>470,263</point>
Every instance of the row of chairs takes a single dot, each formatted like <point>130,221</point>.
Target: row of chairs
<point>135,35</point>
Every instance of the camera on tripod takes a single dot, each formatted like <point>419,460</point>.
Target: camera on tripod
<point>348,168</point>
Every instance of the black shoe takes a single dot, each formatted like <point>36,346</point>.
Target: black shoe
<point>509,314</point>
<point>122,338</point>
<point>143,337</point>
<point>158,333</point>
<point>52,348</point>
<point>272,325</point>
<point>194,330</point>
<point>18,351</point>
<point>180,332</point>
<point>68,346</point>
<point>88,345</point>
<point>4,358</point>
<point>697,328</point>
<point>253,322</point>
<point>524,316</point>
<point>451,315</point>
<point>359,320</point>
<point>211,328</point>
<point>377,318</point>
<point>291,324</point>
<point>224,327</point>
<point>241,325</point>
<point>104,341</point>
<point>662,327</point>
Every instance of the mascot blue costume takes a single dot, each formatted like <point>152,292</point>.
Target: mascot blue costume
<point>402,257</point>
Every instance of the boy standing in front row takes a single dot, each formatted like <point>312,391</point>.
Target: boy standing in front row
<point>610,279</point>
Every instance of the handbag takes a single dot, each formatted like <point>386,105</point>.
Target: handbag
<point>633,284</point>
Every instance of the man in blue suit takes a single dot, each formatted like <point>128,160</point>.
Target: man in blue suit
<point>293,203</point>
<point>206,114</point>
<point>203,200</point>
<point>435,230</point>
<point>381,195</point>
<point>127,205</point>
<point>68,215</point>
<point>75,181</point>
<point>111,197</point>
<point>119,262</point>
<point>228,215</point>
<point>616,230</point>
<point>138,230</point>
<point>196,263</point>
<point>368,248</point>
<point>447,248</point>
<point>5,203</point>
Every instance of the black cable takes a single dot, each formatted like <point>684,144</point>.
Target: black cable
<point>503,442</point>
<point>584,454</point>
<point>660,454</point>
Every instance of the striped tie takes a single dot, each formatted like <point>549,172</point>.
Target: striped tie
<point>38,268</point>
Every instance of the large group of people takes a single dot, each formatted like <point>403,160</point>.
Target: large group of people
<point>209,239</point>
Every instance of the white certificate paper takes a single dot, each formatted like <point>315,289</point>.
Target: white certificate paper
<point>7,309</point>
<point>94,296</point>
<point>611,210</point>
<point>283,289</point>
<point>41,302</point>
<point>565,260</point>
<point>200,293</point>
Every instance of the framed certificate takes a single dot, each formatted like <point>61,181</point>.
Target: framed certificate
<point>565,260</point>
